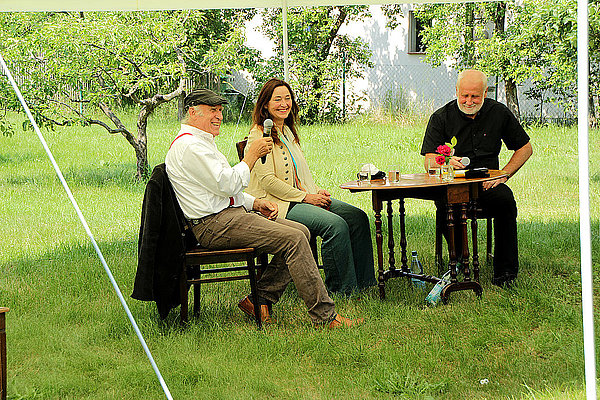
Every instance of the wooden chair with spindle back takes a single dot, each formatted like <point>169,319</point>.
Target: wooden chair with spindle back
<point>240,147</point>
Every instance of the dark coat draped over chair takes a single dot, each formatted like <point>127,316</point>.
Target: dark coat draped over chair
<point>161,246</point>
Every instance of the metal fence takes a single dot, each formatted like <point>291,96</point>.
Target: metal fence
<point>420,88</point>
<point>387,89</point>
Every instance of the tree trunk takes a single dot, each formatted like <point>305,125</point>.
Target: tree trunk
<point>142,166</point>
<point>469,37</point>
<point>180,110</point>
<point>141,150</point>
<point>512,99</point>
<point>593,119</point>
<point>139,144</point>
<point>510,87</point>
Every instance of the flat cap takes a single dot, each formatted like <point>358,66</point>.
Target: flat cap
<point>203,96</point>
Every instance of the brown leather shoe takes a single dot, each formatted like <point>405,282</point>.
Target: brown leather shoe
<point>248,308</point>
<point>342,322</point>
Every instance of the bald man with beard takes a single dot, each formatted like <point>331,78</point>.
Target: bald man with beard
<point>480,126</point>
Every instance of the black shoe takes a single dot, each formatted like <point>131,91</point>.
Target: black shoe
<point>505,282</point>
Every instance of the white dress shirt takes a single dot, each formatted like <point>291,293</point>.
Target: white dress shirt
<point>201,176</point>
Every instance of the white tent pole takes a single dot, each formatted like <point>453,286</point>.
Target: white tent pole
<point>286,63</point>
<point>584,199</point>
<point>4,68</point>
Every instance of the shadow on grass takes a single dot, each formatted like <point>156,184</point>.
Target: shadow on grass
<point>510,336</point>
<point>71,274</point>
<point>118,174</point>
<point>121,175</point>
<point>16,159</point>
<point>549,255</point>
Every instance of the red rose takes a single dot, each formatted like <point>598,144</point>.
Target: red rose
<point>441,160</point>
<point>445,150</point>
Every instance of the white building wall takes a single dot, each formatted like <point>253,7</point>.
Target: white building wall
<point>396,72</point>
<point>398,76</point>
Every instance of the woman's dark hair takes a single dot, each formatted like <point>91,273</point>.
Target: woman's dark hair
<point>261,112</point>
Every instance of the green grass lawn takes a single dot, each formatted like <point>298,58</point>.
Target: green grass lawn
<point>68,337</point>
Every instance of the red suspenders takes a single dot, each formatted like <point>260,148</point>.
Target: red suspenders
<point>231,201</point>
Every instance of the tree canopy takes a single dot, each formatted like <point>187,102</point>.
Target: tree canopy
<point>531,40</point>
<point>74,65</point>
<point>318,55</point>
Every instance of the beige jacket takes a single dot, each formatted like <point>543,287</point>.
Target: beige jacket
<point>274,179</point>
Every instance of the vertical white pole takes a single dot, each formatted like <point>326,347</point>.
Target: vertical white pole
<point>286,63</point>
<point>4,68</point>
<point>584,199</point>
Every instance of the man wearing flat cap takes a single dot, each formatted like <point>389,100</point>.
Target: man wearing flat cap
<point>211,195</point>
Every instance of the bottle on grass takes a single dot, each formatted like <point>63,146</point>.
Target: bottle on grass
<point>434,297</point>
<point>416,268</point>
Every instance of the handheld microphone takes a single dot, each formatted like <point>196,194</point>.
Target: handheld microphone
<point>268,125</point>
<point>465,161</point>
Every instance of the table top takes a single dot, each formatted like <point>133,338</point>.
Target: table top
<point>3,310</point>
<point>416,181</point>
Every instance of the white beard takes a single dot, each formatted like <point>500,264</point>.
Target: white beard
<point>470,110</point>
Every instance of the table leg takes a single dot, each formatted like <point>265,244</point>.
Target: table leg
<point>390,214</point>
<point>403,258</point>
<point>465,242</point>
<point>451,249</point>
<point>377,205</point>
<point>466,284</point>
<point>439,238</point>
<point>474,228</point>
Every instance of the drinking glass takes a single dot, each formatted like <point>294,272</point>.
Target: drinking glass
<point>364,175</point>
<point>447,173</point>
<point>433,168</point>
<point>393,174</point>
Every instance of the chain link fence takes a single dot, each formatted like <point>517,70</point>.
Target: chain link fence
<point>411,92</point>
<point>418,90</point>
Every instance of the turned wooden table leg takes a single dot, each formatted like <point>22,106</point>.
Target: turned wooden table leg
<point>465,242</point>
<point>391,244</point>
<point>403,257</point>
<point>451,245</point>
<point>474,228</point>
<point>377,206</point>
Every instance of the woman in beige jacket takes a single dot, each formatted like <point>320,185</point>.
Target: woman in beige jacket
<point>285,179</point>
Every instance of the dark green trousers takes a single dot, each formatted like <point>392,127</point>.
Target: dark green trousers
<point>347,250</point>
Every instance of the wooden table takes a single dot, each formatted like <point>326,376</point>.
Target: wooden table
<point>3,310</point>
<point>458,195</point>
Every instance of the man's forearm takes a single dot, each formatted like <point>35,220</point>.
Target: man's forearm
<point>518,158</point>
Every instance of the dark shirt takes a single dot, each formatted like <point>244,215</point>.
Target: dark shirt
<point>480,138</point>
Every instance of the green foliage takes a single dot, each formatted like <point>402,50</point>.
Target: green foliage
<point>215,41</point>
<point>5,127</point>
<point>531,40</point>
<point>318,56</point>
<point>70,65</point>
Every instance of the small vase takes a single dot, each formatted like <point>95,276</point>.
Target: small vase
<point>447,173</point>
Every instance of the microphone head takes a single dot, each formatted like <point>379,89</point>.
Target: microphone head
<point>465,161</point>
<point>268,124</point>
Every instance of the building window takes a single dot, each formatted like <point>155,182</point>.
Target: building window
<point>415,30</point>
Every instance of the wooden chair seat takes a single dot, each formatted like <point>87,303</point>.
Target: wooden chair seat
<point>193,274</point>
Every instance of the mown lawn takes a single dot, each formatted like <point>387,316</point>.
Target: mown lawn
<point>68,337</point>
